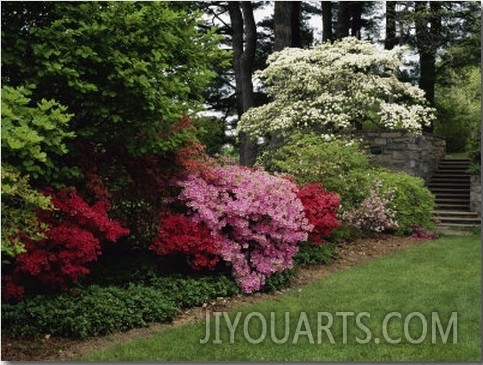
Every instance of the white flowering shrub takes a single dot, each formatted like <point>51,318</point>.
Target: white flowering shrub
<point>336,86</point>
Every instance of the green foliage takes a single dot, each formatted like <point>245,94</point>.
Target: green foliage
<point>412,200</point>
<point>340,165</point>
<point>278,281</point>
<point>211,133</point>
<point>309,254</point>
<point>97,310</point>
<point>92,311</point>
<point>126,70</point>
<point>188,291</point>
<point>33,138</point>
<point>19,203</point>
<point>458,100</point>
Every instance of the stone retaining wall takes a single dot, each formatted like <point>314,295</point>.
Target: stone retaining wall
<point>475,193</point>
<point>416,154</point>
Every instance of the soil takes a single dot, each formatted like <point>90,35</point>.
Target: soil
<point>61,349</point>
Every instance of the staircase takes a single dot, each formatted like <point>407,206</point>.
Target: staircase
<point>451,186</point>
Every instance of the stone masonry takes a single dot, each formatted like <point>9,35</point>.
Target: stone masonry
<point>475,193</point>
<point>416,154</point>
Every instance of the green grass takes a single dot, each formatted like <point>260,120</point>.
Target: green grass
<point>440,276</point>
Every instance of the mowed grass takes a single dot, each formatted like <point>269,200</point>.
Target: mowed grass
<point>440,276</point>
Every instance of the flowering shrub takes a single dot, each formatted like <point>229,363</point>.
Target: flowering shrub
<point>331,86</point>
<point>255,217</point>
<point>177,233</point>
<point>72,239</point>
<point>421,232</point>
<point>320,208</point>
<point>374,213</point>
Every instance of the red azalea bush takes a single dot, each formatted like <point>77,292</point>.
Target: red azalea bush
<point>320,207</point>
<point>179,234</point>
<point>72,240</point>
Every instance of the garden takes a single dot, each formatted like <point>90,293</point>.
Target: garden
<point>123,209</point>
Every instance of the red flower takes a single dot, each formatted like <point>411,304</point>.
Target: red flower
<point>320,208</point>
<point>178,234</point>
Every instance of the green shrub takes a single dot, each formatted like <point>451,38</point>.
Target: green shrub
<point>412,200</point>
<point>340,165</point>
<point>188,291</point>
<point>19,204</point>
<point>88,312</point>
<point>97,310</point>
<point>311,158</point>
<point>278,281</point>
<point>309,254</point>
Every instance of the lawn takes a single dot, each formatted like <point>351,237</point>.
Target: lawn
<point>432,290</point>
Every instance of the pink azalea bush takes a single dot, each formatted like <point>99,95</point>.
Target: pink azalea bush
<point>374,213</point>
<point>256,218</point>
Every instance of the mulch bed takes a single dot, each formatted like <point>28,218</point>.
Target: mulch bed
<point>53,348</point>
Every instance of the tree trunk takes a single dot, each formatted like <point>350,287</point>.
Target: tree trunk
<point>428,39</point>
<point>243,23</point>
<point>287,34</point>
<point>343,20</point>
<point>287,24</point>
<point>356,23</point>
<point>428,34</point>
<point>391,40</point>
<point>327,34</point>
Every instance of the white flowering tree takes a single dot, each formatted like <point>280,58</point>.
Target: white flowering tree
<point>350,84</point>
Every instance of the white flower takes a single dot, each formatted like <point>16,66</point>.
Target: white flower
<point>333,85</point>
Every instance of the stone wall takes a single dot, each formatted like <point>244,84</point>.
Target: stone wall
<point>416,154</point>
<point>475,193</point>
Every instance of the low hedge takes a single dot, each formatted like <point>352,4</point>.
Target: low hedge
<point>88,312</point>
<point>95,310</point>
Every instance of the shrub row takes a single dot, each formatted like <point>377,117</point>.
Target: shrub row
<point>391,201</point>
<point>92,311</point>
<point>97,310</point>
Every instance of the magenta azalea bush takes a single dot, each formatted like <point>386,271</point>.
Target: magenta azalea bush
<point>256,218</point>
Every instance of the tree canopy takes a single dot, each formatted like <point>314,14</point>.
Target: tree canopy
<point>350,84</point>
<point>125,70</point>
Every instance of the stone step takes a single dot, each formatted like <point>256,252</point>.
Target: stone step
<point>451,176</point>
<point>461,172</point>
<point>448,187</point>
<point>449,166</point>
<point>453,213</point>
<point>441,182</point>
<point>461,225</point>
<point>463,197</point>
<point>462,159</point>
<point>444,180</point>
<point>460,220</point>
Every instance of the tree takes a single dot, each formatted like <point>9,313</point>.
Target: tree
<point>127,71</point>
<point>243,24</point>
<point>348,85</point>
